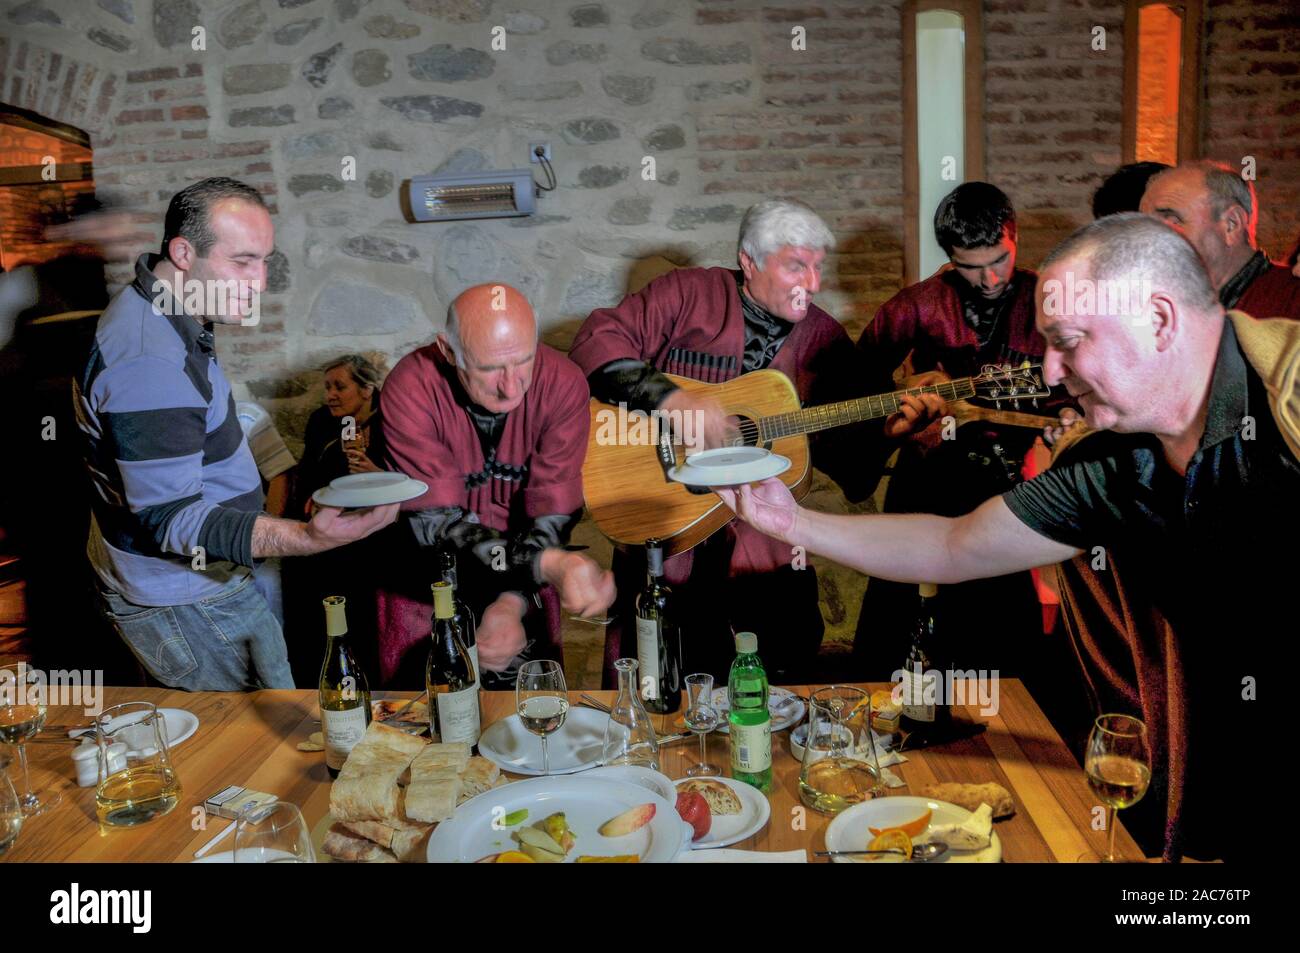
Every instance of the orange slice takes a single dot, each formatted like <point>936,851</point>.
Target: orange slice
<point>911,828</point>
<point>514,857</point>
<point>616,859</point>
<point>893,839</point>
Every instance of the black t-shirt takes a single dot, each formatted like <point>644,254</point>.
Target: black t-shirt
<point>1215,550</point>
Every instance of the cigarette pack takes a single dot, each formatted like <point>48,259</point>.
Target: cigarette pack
<point>228,802</point>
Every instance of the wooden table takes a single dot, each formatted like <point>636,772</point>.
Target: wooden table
<point>251,740</point>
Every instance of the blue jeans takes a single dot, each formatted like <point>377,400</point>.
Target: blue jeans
<point>226,643</point>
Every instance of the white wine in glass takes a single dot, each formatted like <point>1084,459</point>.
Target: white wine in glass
<point>1118,765</point>
<point>542,701</point>
<point>18,723</point>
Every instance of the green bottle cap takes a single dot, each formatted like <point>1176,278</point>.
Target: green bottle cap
<point>336,620</point>
<point>929,590</point>
<point>746,643</point>
<point>443,605</point>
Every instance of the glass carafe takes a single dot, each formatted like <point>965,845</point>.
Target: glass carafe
<point>630,736</point>
<point>840,767</point>
<point>136,779</point>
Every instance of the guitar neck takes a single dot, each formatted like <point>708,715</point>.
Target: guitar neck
<point>846,412</point>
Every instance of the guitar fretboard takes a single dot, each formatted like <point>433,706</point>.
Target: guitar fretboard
<point>853,411</point>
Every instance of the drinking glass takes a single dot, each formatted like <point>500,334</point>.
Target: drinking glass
<point>136,779</point>
<point>629,734</point>
<point>701,718</point>
<point>840,767</point>
<point>22,715</point>
<point>1117,762</point>
<point>272,834</point>
<point>542,700</point>
<point>11,814</point>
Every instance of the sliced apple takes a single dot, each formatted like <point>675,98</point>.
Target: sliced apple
<point>532,837</point>
<point>541,856</point>
<point>630,820</point>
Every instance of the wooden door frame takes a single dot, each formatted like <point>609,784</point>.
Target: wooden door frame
<point>1189,77</point>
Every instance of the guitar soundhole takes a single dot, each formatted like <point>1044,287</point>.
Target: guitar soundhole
<point>748,430</point>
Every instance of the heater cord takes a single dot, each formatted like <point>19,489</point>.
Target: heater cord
<point>550,172</point>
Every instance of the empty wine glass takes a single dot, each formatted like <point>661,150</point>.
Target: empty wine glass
<point>1118,764</point>
<point>701,718</point>
<point>272,834</point>
<point>542,700</point>
<point>11,814</point>
<point>22,715</point>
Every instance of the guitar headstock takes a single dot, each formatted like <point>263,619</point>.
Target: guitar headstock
<point>1005,382</point>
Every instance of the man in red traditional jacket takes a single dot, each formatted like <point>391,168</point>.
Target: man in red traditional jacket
<point>713,324</point>
<point>1216,210</point>
<point>978,311</point>
<point>496,424</point>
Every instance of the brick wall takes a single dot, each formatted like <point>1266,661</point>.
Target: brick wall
<point>25,209</point>
<point>712,89</point>
<point>1251,106</point>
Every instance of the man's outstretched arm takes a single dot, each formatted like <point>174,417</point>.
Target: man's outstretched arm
<point>913,547</point>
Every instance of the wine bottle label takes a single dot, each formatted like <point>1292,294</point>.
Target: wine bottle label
<point>342,730</point>
<point>458,716</point>
<point>647,656</point>
<point>920,689</point>
<point>751,747</point>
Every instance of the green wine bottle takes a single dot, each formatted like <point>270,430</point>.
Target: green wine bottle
<point>748,717</point>
<point>344,692</point>
<point>449,676</point>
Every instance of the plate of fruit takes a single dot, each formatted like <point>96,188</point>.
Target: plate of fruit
<point>562,820</point>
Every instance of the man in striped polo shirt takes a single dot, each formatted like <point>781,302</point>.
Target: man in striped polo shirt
<point>177,514</point>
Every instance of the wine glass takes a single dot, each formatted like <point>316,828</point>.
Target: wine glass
<point>701,718</point>
<point>272,834</point>
<point>11,814</point>
<point>22,715</point>
<point>542,700</point>
<point>1117,762</point>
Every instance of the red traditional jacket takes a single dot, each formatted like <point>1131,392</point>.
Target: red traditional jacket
<point>539,459</point>
<point>1274,294</point>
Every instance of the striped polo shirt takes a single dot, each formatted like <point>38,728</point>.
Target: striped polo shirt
<point>173,475</point>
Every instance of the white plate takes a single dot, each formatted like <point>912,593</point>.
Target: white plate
<point>727,829</point>
<point>369,489</point>
<point>181,724</point>
<point>576,747</point>
<point>848,831</point>
<point>648,778</point>
<point>729,466</point>
<point>729,855</point>
<point>587,804</point>
<point>785,707</point>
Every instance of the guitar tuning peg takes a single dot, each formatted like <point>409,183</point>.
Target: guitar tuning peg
<point>1034,403</point>
<point>1016,404</point>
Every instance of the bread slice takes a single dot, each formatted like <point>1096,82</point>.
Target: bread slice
<point>722,799</point>
<point>342,844</point>
<point>971,796</point>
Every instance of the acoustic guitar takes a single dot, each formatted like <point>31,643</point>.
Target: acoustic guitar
<point>625,476</point>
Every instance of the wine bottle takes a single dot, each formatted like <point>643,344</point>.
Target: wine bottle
<point>449,676</point>
<point>748,716</point>
<point>461,616</point>
<point>344,691</point>
<point>658,638</point>
<point>926,715</point>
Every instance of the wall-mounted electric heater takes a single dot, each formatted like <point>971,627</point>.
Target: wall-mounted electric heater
<point>446,198</point>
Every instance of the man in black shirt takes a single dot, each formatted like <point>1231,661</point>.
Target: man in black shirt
<point>1202,499</point>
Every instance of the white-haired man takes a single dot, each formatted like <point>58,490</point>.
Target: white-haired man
<point>1217,210</point>
<point>1200,500</point>
<point>714,324</point>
